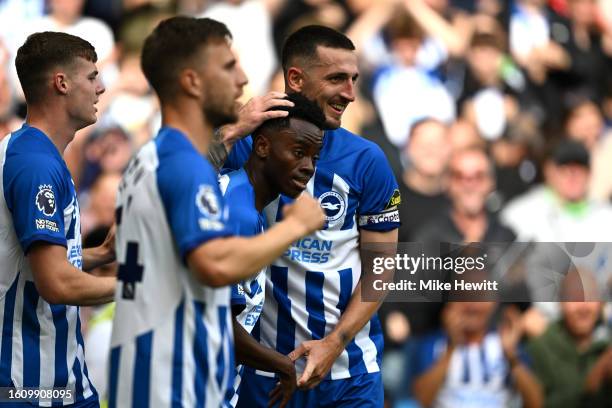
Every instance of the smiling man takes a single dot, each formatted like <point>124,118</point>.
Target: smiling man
<point>313,305</point>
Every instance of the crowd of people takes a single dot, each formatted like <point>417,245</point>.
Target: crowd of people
<point>494,116</point>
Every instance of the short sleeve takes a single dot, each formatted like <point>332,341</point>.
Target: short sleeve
<point>36,193</point>
<point>238,155</point>
<point>192,200</point>
<point>380,197</point>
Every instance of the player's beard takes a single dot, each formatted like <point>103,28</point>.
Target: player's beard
<point>218,115</point>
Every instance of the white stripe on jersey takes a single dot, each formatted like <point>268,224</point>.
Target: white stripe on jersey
<point>124,385</point>
<point>188,392</point>
<point>47,351</point>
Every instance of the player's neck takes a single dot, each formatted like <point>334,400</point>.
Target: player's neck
<point>55,125</point>
<point>264,191</point>
<point>192,124</point>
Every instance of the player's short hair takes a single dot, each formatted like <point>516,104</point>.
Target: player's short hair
<point>171,47</point>
<point>304,42</point>
<point>43,52</point>
<point>303,108</point>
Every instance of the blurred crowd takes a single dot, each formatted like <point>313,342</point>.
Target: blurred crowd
<point>496,116</point>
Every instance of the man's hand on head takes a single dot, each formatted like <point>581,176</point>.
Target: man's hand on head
<point>252,114</point>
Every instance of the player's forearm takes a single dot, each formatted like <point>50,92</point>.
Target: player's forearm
<point>357,314</point>
<point>59,282</point>
<point>95,257</point>
<point>253,354</point>
<point>226,261</point>
<point>75,287</point>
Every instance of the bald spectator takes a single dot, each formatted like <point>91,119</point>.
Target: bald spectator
<point>463,134</point>
<point>471,181</point>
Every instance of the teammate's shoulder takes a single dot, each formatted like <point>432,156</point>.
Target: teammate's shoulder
<point>177,154</point>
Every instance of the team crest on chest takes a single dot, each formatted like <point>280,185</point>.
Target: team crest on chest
<point>207,202</point>
<point>45,200</point>
<point>333,204</point>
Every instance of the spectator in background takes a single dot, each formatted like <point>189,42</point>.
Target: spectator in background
<point>559,210</point>
<point>107,150</point>
<point>572,359</point>
<point>423,189</point>
<point>9,121</point>
<point>129,103</point>
<point>403,92</point>
<point>582,39</point>
<point>66,16</point>
<point>513,153</point>
<point>585,123</point>
<point>423,192</point>
<point>471,180</point>
<point>467,365</point>
<point>489,98</point>
<point>463,134</point>
<point>530,40</point>
<point>250,22</point>
<point>99,208</point>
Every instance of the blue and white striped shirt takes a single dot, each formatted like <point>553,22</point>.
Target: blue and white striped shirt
<point>309,287</point>
<point>172,340</point>
<point>41,344</point>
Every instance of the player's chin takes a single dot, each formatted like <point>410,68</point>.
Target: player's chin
<point>292,191</point>
<point>333,122</point>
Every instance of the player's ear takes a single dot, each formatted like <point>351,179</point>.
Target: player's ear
<point>60,82</point>
<point>262,146</point>
<point>295,79</point>
<point>190,82</point>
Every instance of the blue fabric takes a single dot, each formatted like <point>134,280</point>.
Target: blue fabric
<point>190,193</point>
<point>244,219</point>
<point>37,187</point>
<point>362,391</point>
